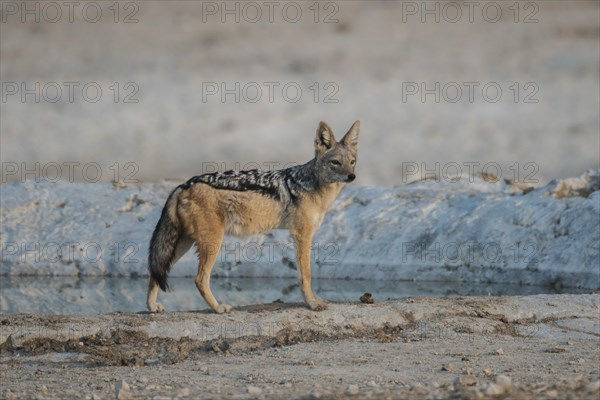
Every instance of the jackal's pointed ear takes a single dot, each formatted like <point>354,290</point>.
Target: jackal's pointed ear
<point>350,139</point>
<point>325,139</point>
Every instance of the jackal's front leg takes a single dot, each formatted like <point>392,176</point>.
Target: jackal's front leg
<point>303,242</point>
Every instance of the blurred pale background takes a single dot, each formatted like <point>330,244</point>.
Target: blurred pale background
<point>360,60</point>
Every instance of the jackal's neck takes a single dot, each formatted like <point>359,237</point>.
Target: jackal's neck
<point>304,175</point>
<point>304,180</point>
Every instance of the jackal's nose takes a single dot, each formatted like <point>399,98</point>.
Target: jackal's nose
<point>351,177</point>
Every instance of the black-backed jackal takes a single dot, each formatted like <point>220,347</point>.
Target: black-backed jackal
<point>208,206</point>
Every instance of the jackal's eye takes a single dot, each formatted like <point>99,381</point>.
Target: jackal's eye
<point>352,162</point>
<point>336,162</point>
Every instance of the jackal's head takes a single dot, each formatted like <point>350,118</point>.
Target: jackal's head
<point>335,161</point>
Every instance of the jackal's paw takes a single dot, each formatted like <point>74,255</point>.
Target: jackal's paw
<point>155,308</point>
<point>223,308</point>
<point>317,305</point>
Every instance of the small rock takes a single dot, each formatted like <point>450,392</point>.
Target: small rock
<point>221,347</point>
<point>555,350</point>
<point>539,388</point>
<point>372,384</point>
<point>467,380</point>
<point>488,372</point>
<point>367,298</point>
<point>504,381</point>
<point>119,184</point>
<point>593,386</point>
<point>469,371</point>
<point>494,389</point>
<point>352,389</point>
<point>502,385</point>
<point>254,391</point>
<point>122,390</point>
<point>499,352</point>
<point>185,392</point>
<point>151,361</point>
<point>570,342</point>
<point>419,390</point>
<point>9,394</point>
<point>143,379</point>
<point>551,393</point>
<point>449,367</point>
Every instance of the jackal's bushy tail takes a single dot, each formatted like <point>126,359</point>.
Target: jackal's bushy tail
<point>163,244</point>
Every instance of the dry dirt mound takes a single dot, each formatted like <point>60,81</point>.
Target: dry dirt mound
<point>477,347</point>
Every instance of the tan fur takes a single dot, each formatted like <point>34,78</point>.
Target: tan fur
<point>206,214</point>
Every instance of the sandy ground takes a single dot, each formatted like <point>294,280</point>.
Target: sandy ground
<point>543,346</point>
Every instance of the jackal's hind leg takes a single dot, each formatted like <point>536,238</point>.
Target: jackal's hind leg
<point>182,246</point>
<point>153,306</point>
<point>208,250</point>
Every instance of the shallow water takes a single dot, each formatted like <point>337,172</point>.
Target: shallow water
<point>87,296</point>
